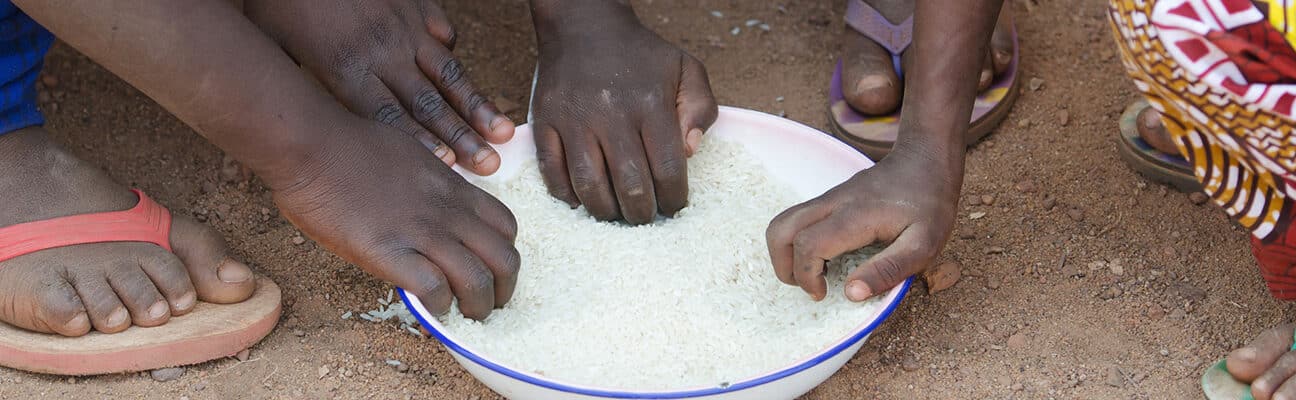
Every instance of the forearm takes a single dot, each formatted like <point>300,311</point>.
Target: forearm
<point>204,62</point>
<point>951,38</point>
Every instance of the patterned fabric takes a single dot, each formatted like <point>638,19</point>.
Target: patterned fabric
<point>23,44</point>
<point>1222,74</point>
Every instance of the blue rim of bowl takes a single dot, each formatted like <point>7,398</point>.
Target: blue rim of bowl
<point>743,385</point>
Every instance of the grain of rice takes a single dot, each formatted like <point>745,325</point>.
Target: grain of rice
<point>684,302</point>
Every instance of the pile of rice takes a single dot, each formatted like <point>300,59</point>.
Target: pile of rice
<point>685,302</point>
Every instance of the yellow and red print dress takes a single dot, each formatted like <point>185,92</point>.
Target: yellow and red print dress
<point>1223,75</point>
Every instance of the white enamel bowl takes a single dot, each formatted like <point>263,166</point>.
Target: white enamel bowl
<point>808,160</point>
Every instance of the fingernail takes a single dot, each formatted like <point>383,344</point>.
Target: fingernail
<point>117,317</point>
<point>482,155</point>
<point>232,273</point>
<point>158,310</point>
<point>693,140</point>
<point>185,302</point>
<point>441,152</point>
<point>858,291</point>
<point>498,121</point>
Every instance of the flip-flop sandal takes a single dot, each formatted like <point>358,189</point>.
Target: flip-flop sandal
<point>1218,383</point>
<point>874,135</point>
<point>209,332</point>
<point>1157,166</point>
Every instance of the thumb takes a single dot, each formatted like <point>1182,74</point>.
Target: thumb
<point>910,254</point>
<point>695,103</point>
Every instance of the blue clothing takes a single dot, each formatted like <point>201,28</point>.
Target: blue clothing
<point>23,44</point>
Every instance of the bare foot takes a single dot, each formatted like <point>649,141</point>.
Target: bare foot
<point>1268,363</point>
<point>1153,131</point>
<point>877,88</point>
<point>103,286</point>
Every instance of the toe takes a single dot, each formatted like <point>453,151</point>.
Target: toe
<point>41,301</point>
<point>106,312</point>
<point>870,83</point>
<point>215,276</point>
<point>1246,364</point>
<point>146,305</point>
<point>171,279</point>
<point>1001,42</point>
<point>987,74</point>
<point>1153,131</point>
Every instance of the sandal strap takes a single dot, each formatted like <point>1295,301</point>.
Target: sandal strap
<point>868,21</point>
<point>146,222</point>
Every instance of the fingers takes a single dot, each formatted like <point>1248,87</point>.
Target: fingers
<point>470,279</point>
<point>496,215</point>
<point>438,24</point>
<point>501,258</point>
<point>695,104</point>
<point>909,254</point>
<point>783,230</point>
<point>553,165</point>
<point>667,160</point>
<point>589,177</point>
<point>631,175</point>
<point>1266,386</point>
<point>369,96</point>
<point>432,111</point>
<point>812,247</point>
<point>414,272</point>
<point>448,74</point>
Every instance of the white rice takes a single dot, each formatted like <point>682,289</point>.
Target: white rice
<point>685,302</point>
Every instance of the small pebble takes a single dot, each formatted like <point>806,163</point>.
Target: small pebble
<point>198,387</point>
<point>323,371</point>
<point>167,374</point>
<point>987,199</point>
<point>1017,387</point>
<point>942,276</point>
<point>298,240</point>
<point>1165,352</point>
<point>1024,123</point>
<point>1115,378</point>
<point>1064,118</point>
<point>1036,83</point>
<point>50,81</point>
<point>1017,340</point>
<point>298,333</point>
<point>717,14</point>
<point>993,282</point>
<point>1076,214</point>
<point>1049,203</point>
<point>994,250</point>
<point>735,31</point>
<point>1198,198</point>
<point>1110,293</point>
<point>977,215</point>
<point>1026,186</point>
<point>1116,268</point>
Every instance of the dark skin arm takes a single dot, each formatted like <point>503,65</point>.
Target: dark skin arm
<point>360,188</point>
<point>617,110</point>
<point>908,199</point>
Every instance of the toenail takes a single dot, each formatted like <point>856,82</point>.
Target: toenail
<point>158,310</point>
<point>873,82</point>
<point>117,317</point>
<point>1003,57</point>
<point>185,302</point>
<point>481,155</point>
<point>232,273</point>
<point>986,76</point>
<point>79,322</point>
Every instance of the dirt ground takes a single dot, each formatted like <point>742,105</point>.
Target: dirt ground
<point>1040,312</point>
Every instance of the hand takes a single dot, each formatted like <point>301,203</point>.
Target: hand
<point>391,60</point>
<point>373,198</point>
<point>906,201</point>
<point>617,110</point>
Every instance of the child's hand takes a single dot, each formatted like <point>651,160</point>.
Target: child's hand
<point>617,111</point>
<point>391,61</point>
<point>907,202</point>
<point>371,196</point>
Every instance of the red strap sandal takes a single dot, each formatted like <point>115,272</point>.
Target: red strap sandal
<point>209,332</point>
